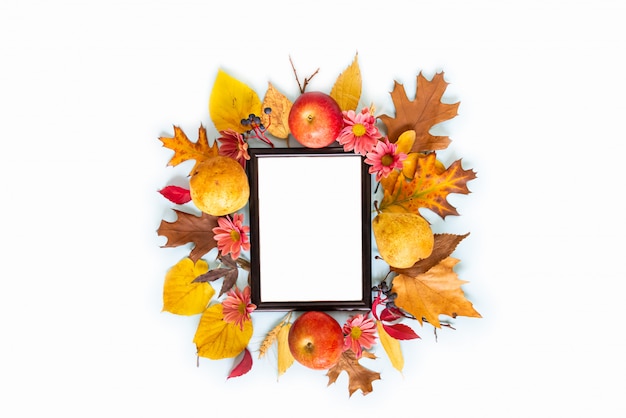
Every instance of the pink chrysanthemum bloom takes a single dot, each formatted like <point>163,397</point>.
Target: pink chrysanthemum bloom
<point>359,332</point>
<point>237,307</point>
<point>384,158</point>
<point>359,132</point>
<point>231,235</point>
<point>233,145</point>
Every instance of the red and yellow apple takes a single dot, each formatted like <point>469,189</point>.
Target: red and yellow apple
<point>315,119</point>
<point>316,340</point>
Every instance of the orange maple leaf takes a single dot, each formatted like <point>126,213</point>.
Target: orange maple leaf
<point>436,292</point>
<point>428,189</point>
<point>190,228</point>
<point>185,150</point>
<point>359,377</point>
<point>421,114</point>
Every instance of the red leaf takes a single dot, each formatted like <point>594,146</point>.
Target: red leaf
<point>176,194</point>
<point>388,315</point>
<point>400,332</point>
<point>244,365</point>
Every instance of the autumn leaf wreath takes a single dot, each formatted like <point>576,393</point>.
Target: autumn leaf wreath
<point>420,285</point>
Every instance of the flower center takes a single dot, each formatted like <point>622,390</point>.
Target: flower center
<point>356,333</point>
<point>234,235</point>
<point>358,129</point>
<point>242,309</point>
<point>387,160</point>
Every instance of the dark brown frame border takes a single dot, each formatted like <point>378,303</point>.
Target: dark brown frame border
<point>256,280</point>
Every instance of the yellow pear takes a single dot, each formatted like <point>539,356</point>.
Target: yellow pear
<point>402,238</point>
<point>219,186</point>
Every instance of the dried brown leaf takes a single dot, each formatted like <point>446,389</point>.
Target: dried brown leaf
<point>188,228</point>
<point>359,377</point>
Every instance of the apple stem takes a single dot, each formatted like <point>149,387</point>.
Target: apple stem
<point>306,80</point>
<point>376,206</point>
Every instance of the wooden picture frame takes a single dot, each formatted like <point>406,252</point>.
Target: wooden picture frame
<point>310,229</point>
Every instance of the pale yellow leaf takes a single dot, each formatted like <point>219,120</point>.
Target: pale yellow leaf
<point>285,359</point>
<point>217,339</point>
<point>391,346</point>
<point>347,88</point>
<point>231,101</point>
<point>180,295</point>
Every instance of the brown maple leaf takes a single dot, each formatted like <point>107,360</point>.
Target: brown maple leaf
<point>185,150</point>
<point>420,114</point>
<point>444,245</point>
<point>436,292</point>
<point>359,377</point>
<point>429,187</point>
<point>230,273</point>
<point>188,228</point>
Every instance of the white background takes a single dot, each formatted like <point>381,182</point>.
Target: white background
<point>86,89</point>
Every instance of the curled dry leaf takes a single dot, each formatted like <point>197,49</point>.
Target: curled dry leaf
<point>444,245</point>
<point>277,122</point>
<point>436,292</point>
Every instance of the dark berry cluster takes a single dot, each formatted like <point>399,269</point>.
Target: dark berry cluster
<point>256,127</point>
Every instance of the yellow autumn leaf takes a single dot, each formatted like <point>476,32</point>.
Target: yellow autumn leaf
<point>231,101</point>
<point>347,88</point>
<point>180,295</point>
<point>285,358</point>
<point>217,339</point>
<point>391,346</point>
<point>405,141</point>
<point>277,122</point>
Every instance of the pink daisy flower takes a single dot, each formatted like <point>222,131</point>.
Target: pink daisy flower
<point>234,146</point>
<point>359,332</point>
<point>384,158</point>
<point>231,235</point>
<point>359,132</point>
<point>237,306</point>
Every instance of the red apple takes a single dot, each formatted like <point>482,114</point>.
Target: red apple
<point>315,119</point>
<point>316,340</point>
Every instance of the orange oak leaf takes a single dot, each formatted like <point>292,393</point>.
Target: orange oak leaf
<point>277,122</point>
<point>421,114</point>
<point>428,189</point>
<point>190,228</point>
<point>185,150</point>
<point>359,377</point>
<point>436,292</point>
